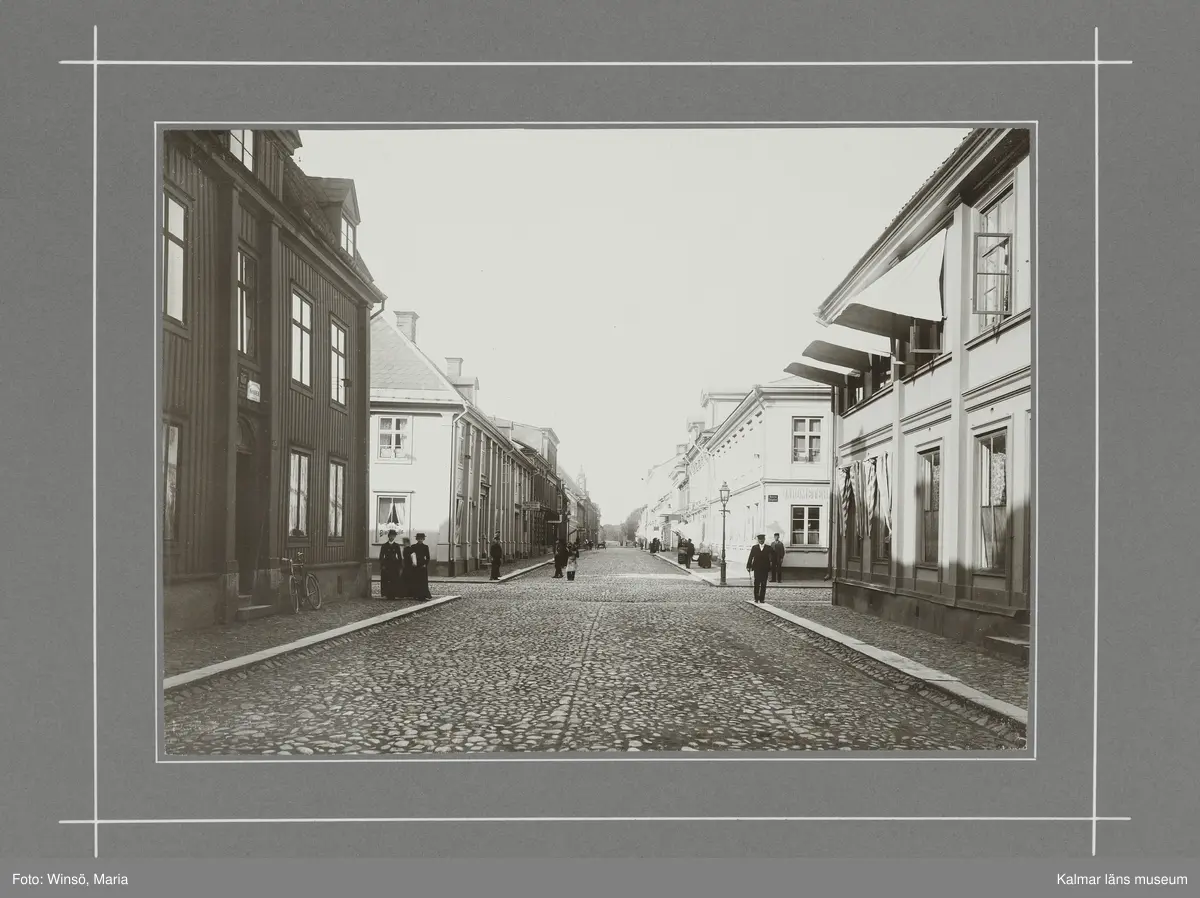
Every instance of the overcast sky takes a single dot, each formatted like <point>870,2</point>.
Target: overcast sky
<point>597,282</point>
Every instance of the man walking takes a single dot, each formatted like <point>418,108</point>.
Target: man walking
<point>560,559</point>
<point>777,552</point>
<point>759,565</point>
<point>497,554</point>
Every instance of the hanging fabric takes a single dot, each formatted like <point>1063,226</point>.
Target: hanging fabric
<point>847,495</point>
<point>862,505</point>
<point>883,477</point>
<point>872,494</point>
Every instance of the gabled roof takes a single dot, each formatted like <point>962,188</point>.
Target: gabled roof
<point>337,191</point>
<point>400,371</point>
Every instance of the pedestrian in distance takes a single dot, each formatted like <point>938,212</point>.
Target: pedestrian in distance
<point>759,565</point>
<point>418,569</point>
<point>572,561</point>
<point>560,559</point>
<point>777,552</point>
<point>497,553</point>
<point>391,567</point>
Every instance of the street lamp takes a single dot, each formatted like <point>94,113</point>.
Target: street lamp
<point>724,511</point>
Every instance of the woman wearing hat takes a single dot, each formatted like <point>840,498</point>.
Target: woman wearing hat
<point>418,569</point>
<point>497,557</point>
<point>391,567</point>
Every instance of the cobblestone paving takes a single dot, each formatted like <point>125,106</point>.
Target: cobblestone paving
<point>485,573</point>
<point>626,658</point>
<point>998,677</point>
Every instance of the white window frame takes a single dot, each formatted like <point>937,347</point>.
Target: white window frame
<point>391,431</point>
<point>811,512</point>
<point>241,144</point>
<point>338,342</point>
<point>171,238</point>
<point>981,435</point>
<point>247,301</point>
<point>337,499</point>
<point>994,239</point>
<point>806,435</point>
<point>349,235</point>
<point>302,339</point>
<point>404,500</point>
<point>299,488</point>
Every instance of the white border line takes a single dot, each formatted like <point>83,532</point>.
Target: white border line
<point>95,478</point>
<point>458,64</point>
<point>780,819</point>
<point>632,758</point>
<point>1096,476</point>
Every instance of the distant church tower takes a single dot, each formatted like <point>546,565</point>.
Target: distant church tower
<point>581,479</point>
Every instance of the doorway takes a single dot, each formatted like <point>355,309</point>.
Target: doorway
<point>249,522</point>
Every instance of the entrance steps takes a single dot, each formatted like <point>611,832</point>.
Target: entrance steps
<point>248,611</point>
<point>1014,644</point>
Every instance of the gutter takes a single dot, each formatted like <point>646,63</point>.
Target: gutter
<point>453,487</point>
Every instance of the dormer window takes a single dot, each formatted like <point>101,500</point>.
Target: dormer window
<point>241,144</point>
<point>349,237</point>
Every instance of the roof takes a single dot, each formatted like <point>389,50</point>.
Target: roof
<point>399,368</point>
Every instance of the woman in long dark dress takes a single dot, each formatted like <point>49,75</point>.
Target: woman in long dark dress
<point>391,567</point>
<point>418,569</point>
<point>405,577</point>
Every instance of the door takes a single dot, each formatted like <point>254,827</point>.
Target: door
<point>249,522</point>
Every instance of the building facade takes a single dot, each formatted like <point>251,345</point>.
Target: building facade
<point>582,519</point>
<point>265,303</point>
<point>440,465</point>
<point>929,349</point>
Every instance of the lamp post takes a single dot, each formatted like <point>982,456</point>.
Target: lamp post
<point>724,512</point>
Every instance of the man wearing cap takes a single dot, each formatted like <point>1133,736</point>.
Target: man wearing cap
<point>418,569</point>
<point>777,551</point>
<point>497,554</point>
<point>759,564</point>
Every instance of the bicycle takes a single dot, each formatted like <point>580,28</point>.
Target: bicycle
<point>301,583</point>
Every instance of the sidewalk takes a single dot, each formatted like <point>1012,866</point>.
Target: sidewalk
<point>736,575</point>
<point>1001,678</point>
<point>193,649</point>
<point>483,574</point>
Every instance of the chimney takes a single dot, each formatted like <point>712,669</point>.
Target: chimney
<point>454,367</point>
<point>407,322</point>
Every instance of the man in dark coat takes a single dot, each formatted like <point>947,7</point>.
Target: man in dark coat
<point>777,552</point>
<point>560,558</point>
<point>391,567</point>
<point>418,569</point>
<point>497,556</point>
<point>759,564</point>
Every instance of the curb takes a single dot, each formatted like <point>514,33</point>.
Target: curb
<point>1000,717</point>
<point>823,584</point>
<point>236,665</point>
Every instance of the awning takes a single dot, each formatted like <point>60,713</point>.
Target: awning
<point>911,289</point>
<point>847,348</point>
<point>830,376</point>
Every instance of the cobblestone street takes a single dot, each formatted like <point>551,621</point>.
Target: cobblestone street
<point>631,656</point>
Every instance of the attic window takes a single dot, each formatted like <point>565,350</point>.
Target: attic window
<point>241,144</point>
<point>349,237</point>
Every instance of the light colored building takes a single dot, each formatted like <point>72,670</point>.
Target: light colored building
<point>770,446</point>
<point>439,465</point>
<point>929,347</point>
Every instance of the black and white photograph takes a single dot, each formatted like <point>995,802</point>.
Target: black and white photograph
<point>627,439</point>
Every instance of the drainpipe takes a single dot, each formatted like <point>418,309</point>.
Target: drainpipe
<point>834,497</point>
<point>450,547</point>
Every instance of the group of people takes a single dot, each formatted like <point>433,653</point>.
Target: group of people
<point>765,562</point>
<point>566,558</point>
<point>404,568</point>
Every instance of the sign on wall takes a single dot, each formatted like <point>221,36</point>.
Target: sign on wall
<point>816,494</point>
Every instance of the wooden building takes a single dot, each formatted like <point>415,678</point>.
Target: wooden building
<point>265,304</point>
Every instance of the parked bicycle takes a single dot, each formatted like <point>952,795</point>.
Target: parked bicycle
<point>302,585</point>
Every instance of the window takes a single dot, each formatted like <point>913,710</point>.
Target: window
<point>854,539</point>
<point>298,495</point>
<point>924,344</point>
<point>391,513</point>
<point>349,235</point>
<point>241,144</point>
<point>929,483</point>
<point>337,362</point>
<point>337,500</point>
<point>174,236</point>
<point>302,333</point>
<point>806,525</point>
<point>170,436</point>
<point>393,439</point>
<point>806,439</point>
<point>992,297</point>
<point>247,303</point>
<point>993,502</point>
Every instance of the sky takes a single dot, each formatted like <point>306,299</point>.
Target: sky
<point>599,281</point>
